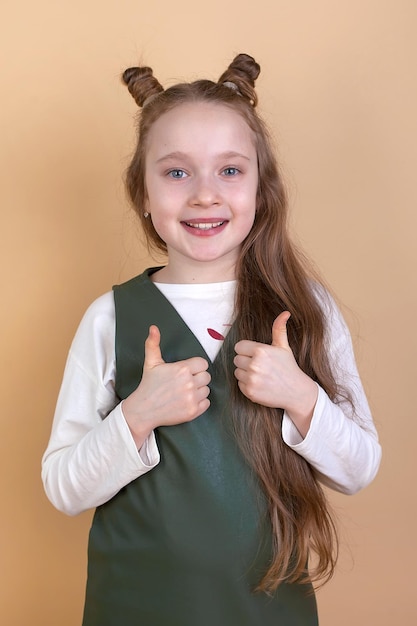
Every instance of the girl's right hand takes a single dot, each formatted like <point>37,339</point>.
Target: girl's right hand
<point>168,394</point>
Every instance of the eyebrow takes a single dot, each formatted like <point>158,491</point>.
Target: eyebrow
<point>183,155</point>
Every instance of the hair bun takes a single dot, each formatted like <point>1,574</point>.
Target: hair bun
<point>243,72</point>
<point>141,84</point>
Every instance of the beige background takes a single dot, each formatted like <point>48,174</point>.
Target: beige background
<point>338,87</point>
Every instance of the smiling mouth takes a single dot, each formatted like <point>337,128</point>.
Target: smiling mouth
<point>205,225</point>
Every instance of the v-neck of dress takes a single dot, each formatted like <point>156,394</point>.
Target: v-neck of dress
<point>177,321</point>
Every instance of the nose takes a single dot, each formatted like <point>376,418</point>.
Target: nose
<point>205,193</point>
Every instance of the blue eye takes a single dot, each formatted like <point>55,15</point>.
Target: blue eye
<point>230,171</point>
<point>177,173</point>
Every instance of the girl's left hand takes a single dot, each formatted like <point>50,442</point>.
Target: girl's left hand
<point>269,375</point>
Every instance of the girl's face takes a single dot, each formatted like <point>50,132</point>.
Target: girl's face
<point>201,181</point>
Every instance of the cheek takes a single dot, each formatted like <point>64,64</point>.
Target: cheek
<point>162,224</point>
<point>251,213</point>
<point>248,202</point>
<point>157,223</point>
<point>249,224</point>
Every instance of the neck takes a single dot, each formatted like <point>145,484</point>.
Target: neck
<point>195,272</point>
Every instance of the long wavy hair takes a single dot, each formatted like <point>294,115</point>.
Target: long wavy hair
<point>272,276</point>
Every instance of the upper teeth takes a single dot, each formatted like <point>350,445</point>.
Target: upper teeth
<point>205,226</point>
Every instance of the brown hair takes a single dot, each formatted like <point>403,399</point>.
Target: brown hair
<point>272,276</point>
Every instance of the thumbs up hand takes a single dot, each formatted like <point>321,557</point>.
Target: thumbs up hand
<point>269,375</point>
<point>168,394</point>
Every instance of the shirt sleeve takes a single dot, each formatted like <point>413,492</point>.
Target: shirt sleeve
<point>342,442</point>
<point>91,453</point>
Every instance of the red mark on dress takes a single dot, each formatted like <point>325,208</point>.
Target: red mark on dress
<point>214,334</point>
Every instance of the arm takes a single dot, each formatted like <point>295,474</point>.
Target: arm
<point>91,453</point>
<point>343,447</point>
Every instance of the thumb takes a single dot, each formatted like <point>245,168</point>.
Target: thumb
<point>279,330</point>
<point>153,356</point>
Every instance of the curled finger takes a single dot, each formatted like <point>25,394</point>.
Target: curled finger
<point>202,379</point>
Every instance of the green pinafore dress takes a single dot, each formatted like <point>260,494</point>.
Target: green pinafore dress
<point>186,543</point>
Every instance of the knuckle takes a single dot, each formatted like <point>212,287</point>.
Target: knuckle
<point>259,353</point>
<point>251,387</point>
<point>250,393</point>
<point>183,369</point>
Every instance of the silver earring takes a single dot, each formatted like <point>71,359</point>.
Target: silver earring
<point>146,214</point>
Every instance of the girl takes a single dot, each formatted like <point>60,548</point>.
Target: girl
<point>205,402</point>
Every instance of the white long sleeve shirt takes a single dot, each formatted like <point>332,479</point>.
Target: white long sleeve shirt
<point>91,453</point>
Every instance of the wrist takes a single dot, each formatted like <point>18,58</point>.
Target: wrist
<point>301,413</point>
<point>140,428</point>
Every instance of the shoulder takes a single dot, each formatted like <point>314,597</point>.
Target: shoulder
<point>96,329</point>
<point>324,298</point>
<point>331,311</point>
<point>132,284</point>
<point>337,335</point>
<point>101,308</point>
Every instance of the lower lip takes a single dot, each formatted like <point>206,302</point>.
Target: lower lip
<point>206,232</point>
